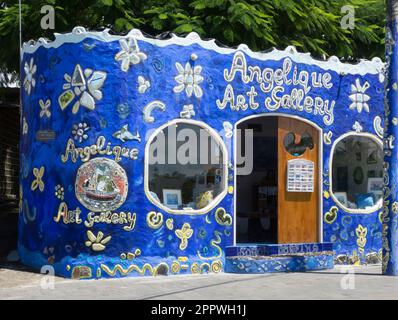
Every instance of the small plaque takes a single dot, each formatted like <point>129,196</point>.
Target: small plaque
<point>45,135</point>
<point>300,175</point>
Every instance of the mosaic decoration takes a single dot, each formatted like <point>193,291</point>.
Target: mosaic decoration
<point>215,244</point>
<point>189,80</point>
<point>184,234</point>
<point>45,108</point>
<point>125,135</point>
<point>154,219</point>
<point>327,137</point>
<point>25,126</point>
<point>143,84</point>
<point>130,255</point>
<point>357,127</point>
<point>100,96</point>
<point>222,217</point>
<point>187,111</point>
<point>85,85</point>
<point>378,127</point>
<point>59,192</point>
<point>79,131</point>
<point>228,129</point>
<point>331,215</point>
<point>29,82</point>
<point>38,182</point>
<point>129,54</point>
<point>358,97</point>
<point>123,110</point>
<point>361,233</point>
<point>101,185</point>
<point>150,107</point>
<point>97,242</point>
<point>282,264</point>
<point>389,217</point>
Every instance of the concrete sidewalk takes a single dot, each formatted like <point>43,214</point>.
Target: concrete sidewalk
<point>19,283</point>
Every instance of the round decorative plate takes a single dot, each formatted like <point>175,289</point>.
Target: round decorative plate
<point>101,185</point>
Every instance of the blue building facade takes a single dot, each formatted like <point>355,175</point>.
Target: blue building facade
<point>93,104</point>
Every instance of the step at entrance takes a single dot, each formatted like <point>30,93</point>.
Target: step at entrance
<point>264,258</point>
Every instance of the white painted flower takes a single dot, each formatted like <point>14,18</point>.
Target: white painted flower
<point>187,111</point>
<point>45,106</point>
<point>357,127</point>
<point>358,97</point>
<point>29,81</point>
<point>79,131</point>
<point>143,84</point>
<point>188,79</point>
<point>85,85</point>
<point>59,192</point>
<point>129,54</point>
<point>97,242</point>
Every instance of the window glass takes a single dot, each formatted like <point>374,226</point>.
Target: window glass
<point>185,167</point>
<point>357,173</point>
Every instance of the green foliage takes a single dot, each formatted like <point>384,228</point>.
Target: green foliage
<point>310,25</point>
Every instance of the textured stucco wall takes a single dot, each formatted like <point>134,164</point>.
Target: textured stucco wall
<point>110,97</point>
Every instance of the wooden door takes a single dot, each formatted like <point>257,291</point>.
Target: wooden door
<point>297,211</point>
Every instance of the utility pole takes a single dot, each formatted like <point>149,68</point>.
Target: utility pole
<point>390,204</point>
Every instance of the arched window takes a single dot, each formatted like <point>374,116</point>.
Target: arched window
<point>185,167</point>
<point>357,172</point>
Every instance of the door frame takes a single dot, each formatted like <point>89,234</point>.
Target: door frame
<point>320,167</point>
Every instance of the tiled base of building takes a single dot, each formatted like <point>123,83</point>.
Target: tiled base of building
<point>239,259</point>
<point>264,258</point>
<point>267,264</point>
<point>85,267</point>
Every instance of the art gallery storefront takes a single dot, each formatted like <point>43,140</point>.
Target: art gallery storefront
<point>112,187</point>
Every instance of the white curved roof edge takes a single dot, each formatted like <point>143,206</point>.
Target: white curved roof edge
<point>78,34</point>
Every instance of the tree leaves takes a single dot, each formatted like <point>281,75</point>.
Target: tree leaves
<point>107,2</point>
<point>311,25</point>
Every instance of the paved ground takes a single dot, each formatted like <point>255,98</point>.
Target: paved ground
<point>18,283</point>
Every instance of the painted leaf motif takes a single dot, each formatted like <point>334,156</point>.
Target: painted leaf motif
<point>91,236</point>
<point>97,80</point>
<point>179,67</point>
<point>198,91</point>
<point>188,233</point>
<point>98,247</point>
<point>87,101</point>
<point>76,107</point>
<point>78,78</point>
<point>65,99</point>
<point>122,55</point>
<point>100,235</point>
<point>179,88</point>
<point>106,240</point>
